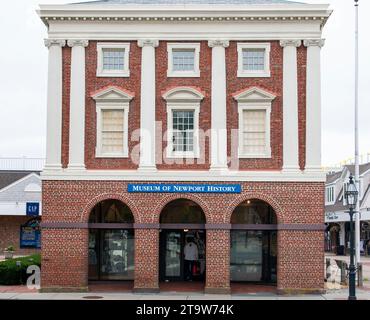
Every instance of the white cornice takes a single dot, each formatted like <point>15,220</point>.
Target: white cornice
<point>170,175</point>
<point>170,13</point>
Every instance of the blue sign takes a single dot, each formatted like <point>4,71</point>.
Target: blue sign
<point>184,188</point>
<point>30,235</point>
<point>33,209</point>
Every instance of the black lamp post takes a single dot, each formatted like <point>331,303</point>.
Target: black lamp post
<point>351,198</point>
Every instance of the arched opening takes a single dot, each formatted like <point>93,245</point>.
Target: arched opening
<point>111,241</point>
<point>182,242</point>
<point>253,254</point>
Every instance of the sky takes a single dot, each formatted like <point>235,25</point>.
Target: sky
<point>23,76</point>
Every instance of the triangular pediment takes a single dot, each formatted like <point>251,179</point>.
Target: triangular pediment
<point>113,94</point>
<point>183,94</point>
<point>254,94</point>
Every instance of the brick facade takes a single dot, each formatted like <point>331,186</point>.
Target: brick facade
<point>273,84</point>
<point>300,252</point>
<point>10,234</point>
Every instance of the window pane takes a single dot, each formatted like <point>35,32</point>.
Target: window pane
<point>183,60</point>
<point>183,130</point>
<point>254,131</point>
<point>112,131</point>
<point>254,59</point>
<point>113,59</point>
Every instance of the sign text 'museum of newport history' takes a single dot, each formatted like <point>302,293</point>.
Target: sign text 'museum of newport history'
<point>184,188</point>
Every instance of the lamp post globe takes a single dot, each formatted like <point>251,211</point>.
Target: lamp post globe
<point>351,196</point>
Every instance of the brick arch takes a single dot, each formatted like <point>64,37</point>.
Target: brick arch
<point>172,197</point>
<point>254,195</point>
<point>109,196</point>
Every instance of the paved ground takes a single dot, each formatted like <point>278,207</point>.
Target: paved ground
<point>331,295</point>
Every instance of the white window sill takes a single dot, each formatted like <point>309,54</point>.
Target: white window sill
<point>244,74</point>
<point>172,74</point>
<point>255,156</point>
<point>124,155</point>
<point>106,74</point>
<point>182,155</point>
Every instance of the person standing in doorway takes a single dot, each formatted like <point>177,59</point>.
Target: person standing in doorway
<point>191,256</point>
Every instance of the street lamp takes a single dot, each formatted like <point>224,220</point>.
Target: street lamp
<point>351,195</point>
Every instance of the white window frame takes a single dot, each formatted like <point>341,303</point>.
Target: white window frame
<point>100,107</point>
<point>100,72</point>
<point>255,106</point>
<point>255,73</point>
<point>182,107</point>
<point>330,195</point>
<point>187,46</point>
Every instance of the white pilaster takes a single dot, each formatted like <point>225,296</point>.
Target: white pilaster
<point>77,106</point>
<point>313,104</point>
<point>147,105</point>
<point>290,105</point>
<point>342,234</point>
<point>54,105</point>
<point>218,108</point>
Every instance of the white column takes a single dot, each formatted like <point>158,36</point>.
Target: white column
<point>77,105</point>
<point>313,105</point>
<point>218,107</point>
<point>54,105</point>
<point>290,105</point>
<point>147,105</point>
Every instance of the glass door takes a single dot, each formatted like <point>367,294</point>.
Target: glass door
<point>173,254</point>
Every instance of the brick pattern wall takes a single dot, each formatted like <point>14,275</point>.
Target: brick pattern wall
<point>300,254</point>
<point>10,234</point>
<point>273,84</point>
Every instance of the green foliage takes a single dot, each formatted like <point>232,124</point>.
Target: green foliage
<point>13,274</point>
<point>10,248</point>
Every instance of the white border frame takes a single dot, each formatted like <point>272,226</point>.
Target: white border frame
<point>255,106</point>
<point>100,106</point>
<point>182,106</point>
<point>183,74</point>
<point>100,72</point>
<point>254,74</point>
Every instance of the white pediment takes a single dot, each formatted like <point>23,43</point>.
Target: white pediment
<point>183,94</point>
<point>254,94</point>
<point>112,94</point>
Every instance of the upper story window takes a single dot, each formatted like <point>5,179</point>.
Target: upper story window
<point>183,107</point>
<point>329,195</point>
<point>254,59</point>
<point>254,109</point>
<point>113,59</point>
<point>183,59</point>
<point>112,112</point>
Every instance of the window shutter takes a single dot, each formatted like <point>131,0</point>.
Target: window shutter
<point>112,131</point>
<point>254,131</point>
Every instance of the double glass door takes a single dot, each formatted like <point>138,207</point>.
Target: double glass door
<point>111,254</point>
<point>173,265</point>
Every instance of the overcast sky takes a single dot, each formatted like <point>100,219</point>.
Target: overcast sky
<point>23,71</point>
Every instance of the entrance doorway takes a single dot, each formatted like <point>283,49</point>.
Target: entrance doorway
<point>174,247</point>
<point>111,242</point>
<point>182,242</point>
<point>253,243</point>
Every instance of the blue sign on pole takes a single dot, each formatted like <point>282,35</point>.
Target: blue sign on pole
<point>30,235</point>
<point>33,209</point>
<point>184,188</point>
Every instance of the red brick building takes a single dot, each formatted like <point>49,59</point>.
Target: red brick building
<point>184,144</point>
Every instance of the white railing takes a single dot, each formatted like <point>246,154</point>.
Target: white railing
<point>24,163</point>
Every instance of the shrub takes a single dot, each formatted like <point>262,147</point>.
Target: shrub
<point>13,274</point>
